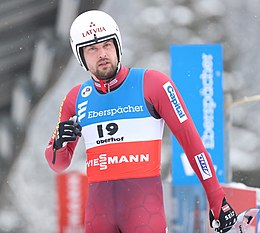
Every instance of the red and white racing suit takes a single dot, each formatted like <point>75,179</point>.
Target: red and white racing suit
<point>122,131</point>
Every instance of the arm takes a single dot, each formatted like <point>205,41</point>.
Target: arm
<point>62,159</point>
<point>185,132</point>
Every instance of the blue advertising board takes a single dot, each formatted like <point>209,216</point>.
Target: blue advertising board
<point>197,72</point>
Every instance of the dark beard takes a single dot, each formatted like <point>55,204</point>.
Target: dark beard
<point>109,75</point>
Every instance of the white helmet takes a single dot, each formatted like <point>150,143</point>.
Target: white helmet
<point>93,27</point>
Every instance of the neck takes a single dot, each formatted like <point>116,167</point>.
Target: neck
<point>105,86</point>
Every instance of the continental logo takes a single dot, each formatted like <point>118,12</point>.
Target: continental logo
<point>178,109</point>
<point>103,161</point>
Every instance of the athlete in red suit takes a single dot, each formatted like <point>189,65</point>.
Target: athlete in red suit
<point>120,202</point>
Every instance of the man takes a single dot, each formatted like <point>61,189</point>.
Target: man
<point>121,113</point>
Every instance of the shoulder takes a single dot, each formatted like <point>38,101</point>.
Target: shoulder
<point>154,79</point>
<point>70,98</point>
<point>74,91</point>
<point>153,85</point>
<point>156,76</point>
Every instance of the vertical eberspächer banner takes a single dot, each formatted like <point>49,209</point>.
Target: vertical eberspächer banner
<point>197,72</point>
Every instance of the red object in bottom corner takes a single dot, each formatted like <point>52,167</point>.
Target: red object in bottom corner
<point>241,199</point>
<point>72,189</point>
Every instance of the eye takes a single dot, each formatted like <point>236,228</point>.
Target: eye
<point>108,44</point>
<point>90,49</point>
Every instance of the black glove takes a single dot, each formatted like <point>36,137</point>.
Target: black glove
<point>226,220</point>
<point>67,132</point>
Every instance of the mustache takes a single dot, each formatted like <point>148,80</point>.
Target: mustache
<point>103,60</point>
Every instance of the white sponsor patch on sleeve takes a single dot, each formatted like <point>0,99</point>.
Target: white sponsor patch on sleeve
<point>178,109</point>
<point>203,166</point>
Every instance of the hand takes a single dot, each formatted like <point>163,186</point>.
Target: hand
<point>226,220</point>
<point>67,132</point>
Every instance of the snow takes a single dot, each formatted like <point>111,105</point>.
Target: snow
<point>148,28</point>
<point>182,15</point>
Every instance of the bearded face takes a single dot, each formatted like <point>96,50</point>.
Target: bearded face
<point>101,59</point>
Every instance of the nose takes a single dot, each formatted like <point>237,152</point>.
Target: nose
<point>102,53</point>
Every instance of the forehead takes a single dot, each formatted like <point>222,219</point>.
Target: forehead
<point>100,43</point>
